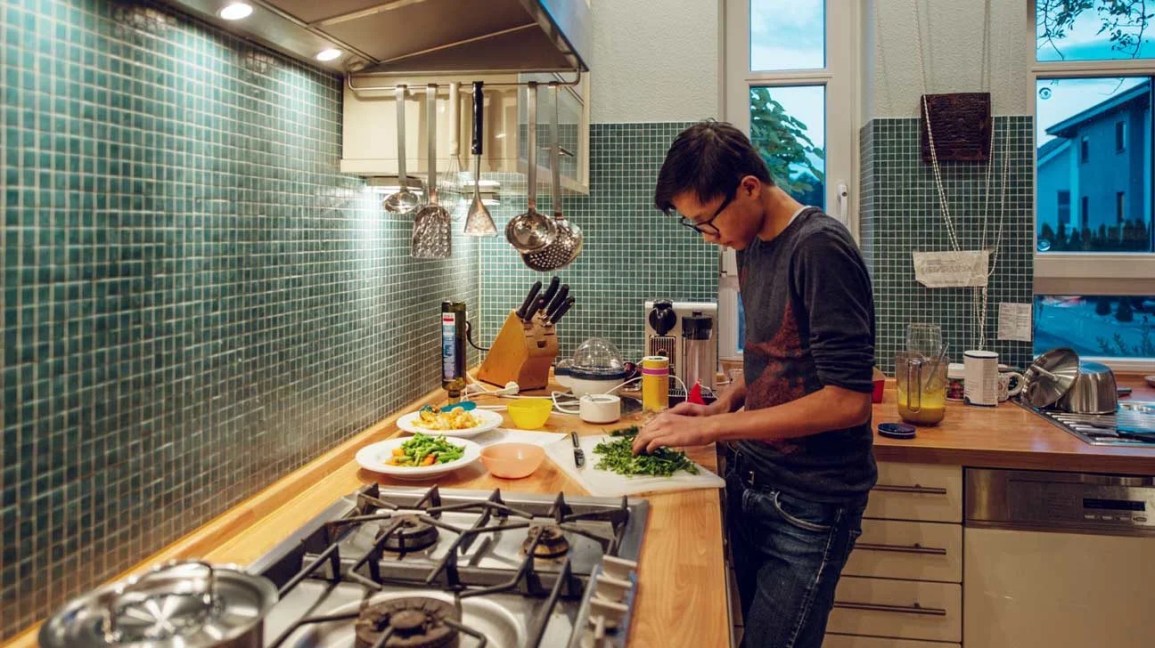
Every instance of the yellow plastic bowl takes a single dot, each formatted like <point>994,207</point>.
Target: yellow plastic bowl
<point>530,413</point>
<point>512,460</point>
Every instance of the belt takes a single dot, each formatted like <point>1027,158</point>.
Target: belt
<point>736,461</point>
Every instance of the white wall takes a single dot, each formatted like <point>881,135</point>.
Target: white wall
<point>952,37</point>
<point>654,60</point>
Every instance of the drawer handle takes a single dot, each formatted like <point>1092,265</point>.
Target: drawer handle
<point>915,548</point>
<point>901,609</point>
<point>917,489</point>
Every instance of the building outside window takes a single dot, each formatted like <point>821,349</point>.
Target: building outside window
<point>1091,81</point>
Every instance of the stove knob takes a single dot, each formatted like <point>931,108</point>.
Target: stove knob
<point>606,616</point>
<point>619,568</point>
<point>612,589</point>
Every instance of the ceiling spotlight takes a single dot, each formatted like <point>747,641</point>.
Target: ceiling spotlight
<point>236,11</point>
<point>329,54</point>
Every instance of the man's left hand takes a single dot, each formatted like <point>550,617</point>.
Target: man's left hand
<point>669,429</point>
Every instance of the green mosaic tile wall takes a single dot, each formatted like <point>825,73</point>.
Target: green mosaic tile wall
<point>195,302</point>
<point>632,251</point>
<point>901,213</point>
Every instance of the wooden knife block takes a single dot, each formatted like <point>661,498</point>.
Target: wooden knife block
<point>522,353</point>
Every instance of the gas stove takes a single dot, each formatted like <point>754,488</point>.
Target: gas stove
<point>423,568</point>
<point>1132,425</point>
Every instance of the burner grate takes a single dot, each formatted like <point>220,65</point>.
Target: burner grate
<point>413,525</point>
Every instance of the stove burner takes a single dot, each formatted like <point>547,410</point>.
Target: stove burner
<point>411,535</point>
<point>552,543</point>
<point>416,622</point>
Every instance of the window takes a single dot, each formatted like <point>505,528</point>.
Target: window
<point>1096,325</point>
<point>789,65</point>
<point>1091,74</point>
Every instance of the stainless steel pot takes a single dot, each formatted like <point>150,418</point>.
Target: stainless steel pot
<point>1050,376</point>
<point>1093,391</point>
<point>185,604</point>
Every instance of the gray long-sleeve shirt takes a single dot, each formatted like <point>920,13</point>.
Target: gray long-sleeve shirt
<point>809,323</point>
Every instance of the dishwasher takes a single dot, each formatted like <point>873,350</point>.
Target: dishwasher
<point>1058,559</point>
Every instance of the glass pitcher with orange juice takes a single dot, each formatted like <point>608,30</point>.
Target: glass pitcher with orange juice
<point>921,385</point>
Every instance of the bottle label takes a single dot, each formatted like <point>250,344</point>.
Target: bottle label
<point>449,346</point>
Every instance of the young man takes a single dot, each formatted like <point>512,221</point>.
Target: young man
<point>799,461</point>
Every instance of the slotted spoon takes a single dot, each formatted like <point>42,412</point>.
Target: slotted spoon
<point>431,235</point>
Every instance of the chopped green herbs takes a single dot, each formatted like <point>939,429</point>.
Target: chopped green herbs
<point>618,456</point>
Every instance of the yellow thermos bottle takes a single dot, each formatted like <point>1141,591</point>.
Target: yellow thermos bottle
<point>655,383</point>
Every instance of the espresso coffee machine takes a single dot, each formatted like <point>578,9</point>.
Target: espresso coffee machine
<point>667,324</point>
<point>699,360</point>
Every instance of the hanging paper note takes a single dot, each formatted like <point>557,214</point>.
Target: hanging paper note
<point>1015,322</point>
<point>951,269</point>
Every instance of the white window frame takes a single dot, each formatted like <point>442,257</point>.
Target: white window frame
<point>1107,273</point>
<point>842,79</point>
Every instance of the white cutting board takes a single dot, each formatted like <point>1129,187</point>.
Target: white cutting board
<point>603,483</point>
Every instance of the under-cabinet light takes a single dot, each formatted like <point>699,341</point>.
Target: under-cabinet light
<point>236,11</point>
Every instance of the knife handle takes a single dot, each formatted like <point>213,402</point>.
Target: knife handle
<point>561,310</point>
<point>530,299</point>
<point>557,301</point>
<point>478,116</point>
<point>579,456</point>
<point>551,290</point>
<point>538,305</point>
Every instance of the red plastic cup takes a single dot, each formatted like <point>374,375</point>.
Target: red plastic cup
<point>876,395</point>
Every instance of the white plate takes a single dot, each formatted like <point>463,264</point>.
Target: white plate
<point>372,457</point>
<point>489,420</point>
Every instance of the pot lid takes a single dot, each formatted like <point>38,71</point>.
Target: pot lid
<point>1050,376</point>
<point>185,604</point>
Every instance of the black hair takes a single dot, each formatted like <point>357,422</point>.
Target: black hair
<point>708,158</point>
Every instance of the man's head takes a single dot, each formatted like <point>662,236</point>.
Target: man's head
<point>714,178</point>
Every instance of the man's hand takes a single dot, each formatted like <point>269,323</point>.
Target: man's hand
<point>671,428</point>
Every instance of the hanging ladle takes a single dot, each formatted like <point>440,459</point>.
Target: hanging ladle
<point>568,242</point>
<point>531,231</point>
<point>404,201</point>
<point>478,222</point>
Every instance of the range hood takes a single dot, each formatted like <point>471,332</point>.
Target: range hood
<point>417,36</point>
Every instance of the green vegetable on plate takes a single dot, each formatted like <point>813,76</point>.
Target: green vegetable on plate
<point>425,450</point>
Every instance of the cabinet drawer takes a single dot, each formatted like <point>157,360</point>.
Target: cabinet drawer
<point>930,551</point>
<point>851,641</point>
<point>917,492</point>
<point>897,608</point>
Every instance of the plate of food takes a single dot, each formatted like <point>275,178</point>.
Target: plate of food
<point>421,456</point>
<point>453,423</point>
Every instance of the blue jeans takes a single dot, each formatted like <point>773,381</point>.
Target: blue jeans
<point>787,555</point>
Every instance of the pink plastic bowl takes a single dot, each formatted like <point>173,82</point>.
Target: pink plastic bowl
<point>512,460</point>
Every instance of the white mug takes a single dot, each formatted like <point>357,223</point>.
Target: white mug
<point>1005,389</point>
<point>981,378</point>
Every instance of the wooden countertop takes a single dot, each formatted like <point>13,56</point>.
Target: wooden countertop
<point>680,573</point>
<point>1009,436</point>
<point>682,582</point>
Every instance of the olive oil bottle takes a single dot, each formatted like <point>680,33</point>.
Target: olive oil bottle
<point>453,348</point>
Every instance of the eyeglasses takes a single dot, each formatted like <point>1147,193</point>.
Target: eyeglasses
<point>707,226</point>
